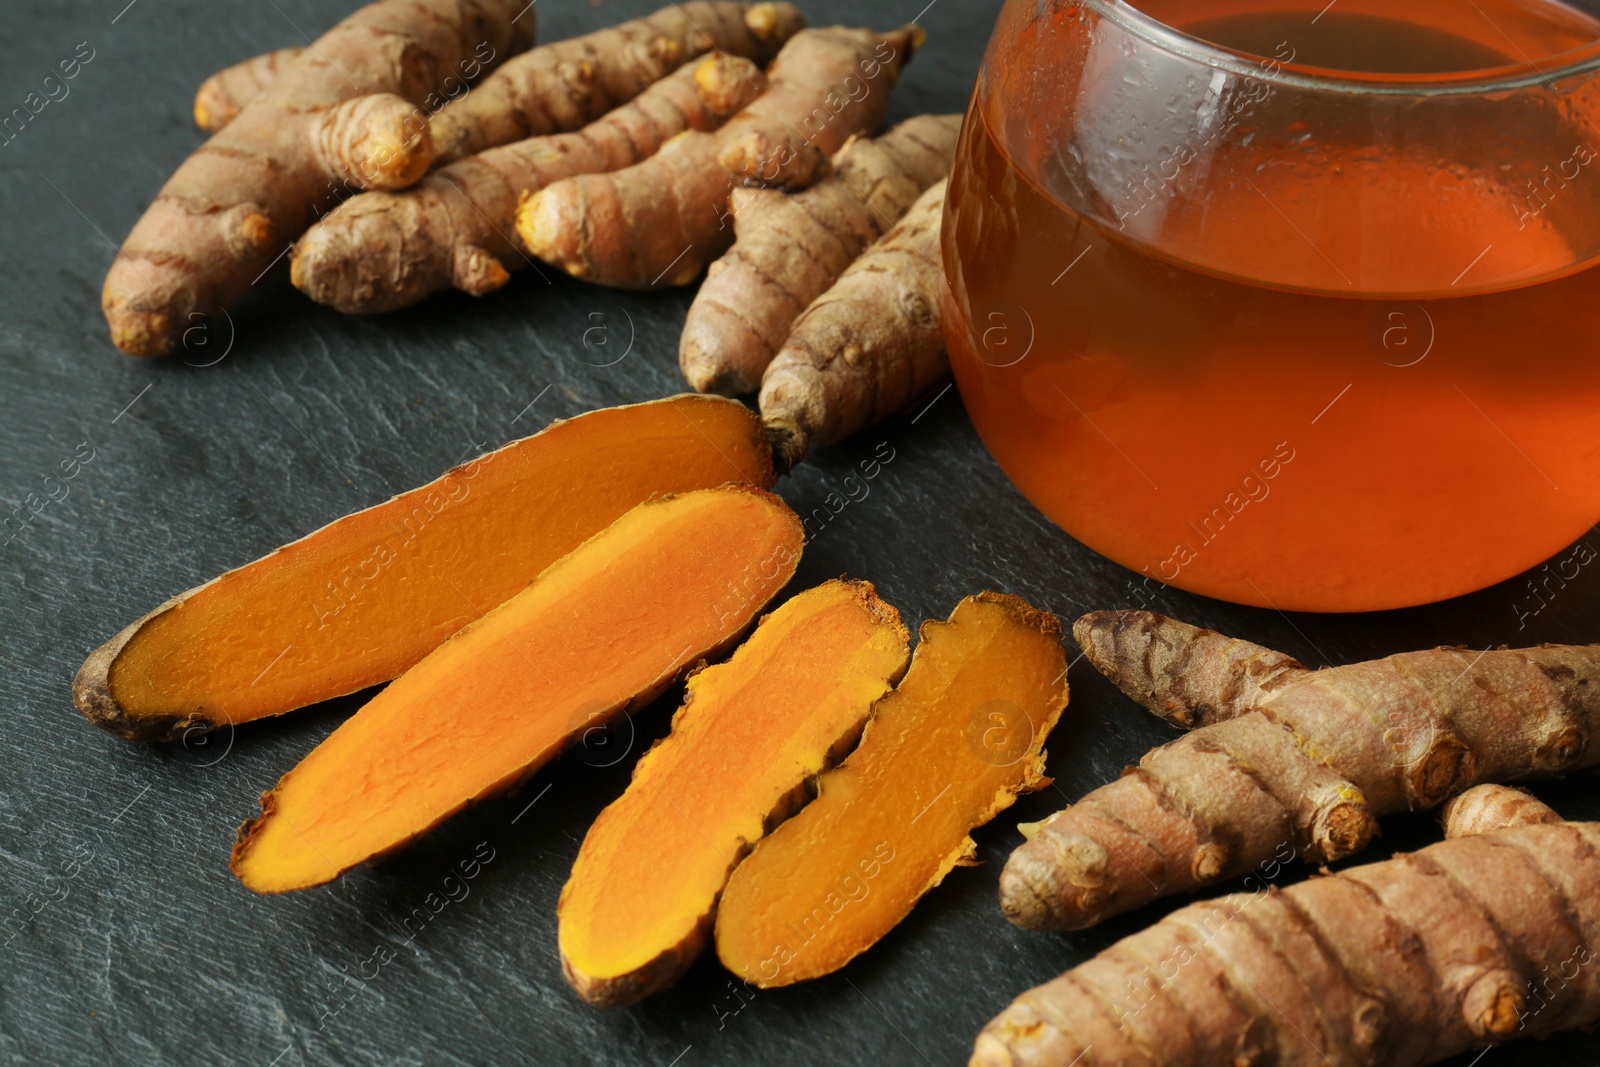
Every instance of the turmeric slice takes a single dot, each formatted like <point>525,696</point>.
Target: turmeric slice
<point>602,631</point>
<point>223,95</point>
<point>952,746</point>
<point>637,910</point>
<point>362,599</point>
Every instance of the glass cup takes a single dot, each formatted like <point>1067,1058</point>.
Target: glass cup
<point>1290,304</point>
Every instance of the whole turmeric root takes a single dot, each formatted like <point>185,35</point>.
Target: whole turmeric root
<point>232,208</point>
<point>1464,944</point>
<point>660,222</point>
<point>566,84</point>
<point>380,251</point>
<point>223,95</point>
<point>1287,758</point>
<point>790,248</point>
<point>866,347</point>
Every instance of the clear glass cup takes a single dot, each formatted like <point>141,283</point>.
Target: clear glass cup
<point>1289,304</point>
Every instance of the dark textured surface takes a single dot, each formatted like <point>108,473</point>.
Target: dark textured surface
<point>126,940</point>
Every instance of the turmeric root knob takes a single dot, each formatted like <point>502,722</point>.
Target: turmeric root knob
<point>1486,808</point>
<point>376,142</point>
<point>1187,675</point>
<point>773,24</point>
<point>795,155</point>
<point>1493,1006</point>
<point>619,230</point>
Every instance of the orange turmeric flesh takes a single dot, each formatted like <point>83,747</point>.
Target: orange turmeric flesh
<point>752,731</point>
<point>946,751</point>
<point>359,601</point>
<point>600,632</point>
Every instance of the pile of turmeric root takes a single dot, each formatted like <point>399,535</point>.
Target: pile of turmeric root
<point>1489,936</point>
<point>422,146</point>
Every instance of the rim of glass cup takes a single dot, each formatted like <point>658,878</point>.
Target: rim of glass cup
<point>1544,72</point>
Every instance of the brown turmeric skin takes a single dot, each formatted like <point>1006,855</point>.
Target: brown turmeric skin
<point>564,85</point>
<point>1485,808</point>
<point>790,248</point>
<point>379,251</point>
<point>342,116</point>
<point>660,222</point>
<point>865,348</point>
<point>1284,756</point>
<point>223,95</point>
<point>794,154</point>
<point>1467,943</point>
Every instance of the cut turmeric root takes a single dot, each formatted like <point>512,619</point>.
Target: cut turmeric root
<point>362,599</point>
<point>951,747</point>
<point>752,731</point>
<point>602,631</point>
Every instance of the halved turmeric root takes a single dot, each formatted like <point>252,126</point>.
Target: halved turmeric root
<point>602,631</point>
<point>362,599</point>
<point>945,752</point>
<point>752,731</point>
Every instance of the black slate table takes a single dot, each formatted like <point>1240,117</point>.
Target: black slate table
<point>125,939</point>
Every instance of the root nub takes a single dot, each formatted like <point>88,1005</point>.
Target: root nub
<point>1493,1006</point>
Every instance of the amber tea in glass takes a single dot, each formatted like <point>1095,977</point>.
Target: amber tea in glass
<point>1288,303</point>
